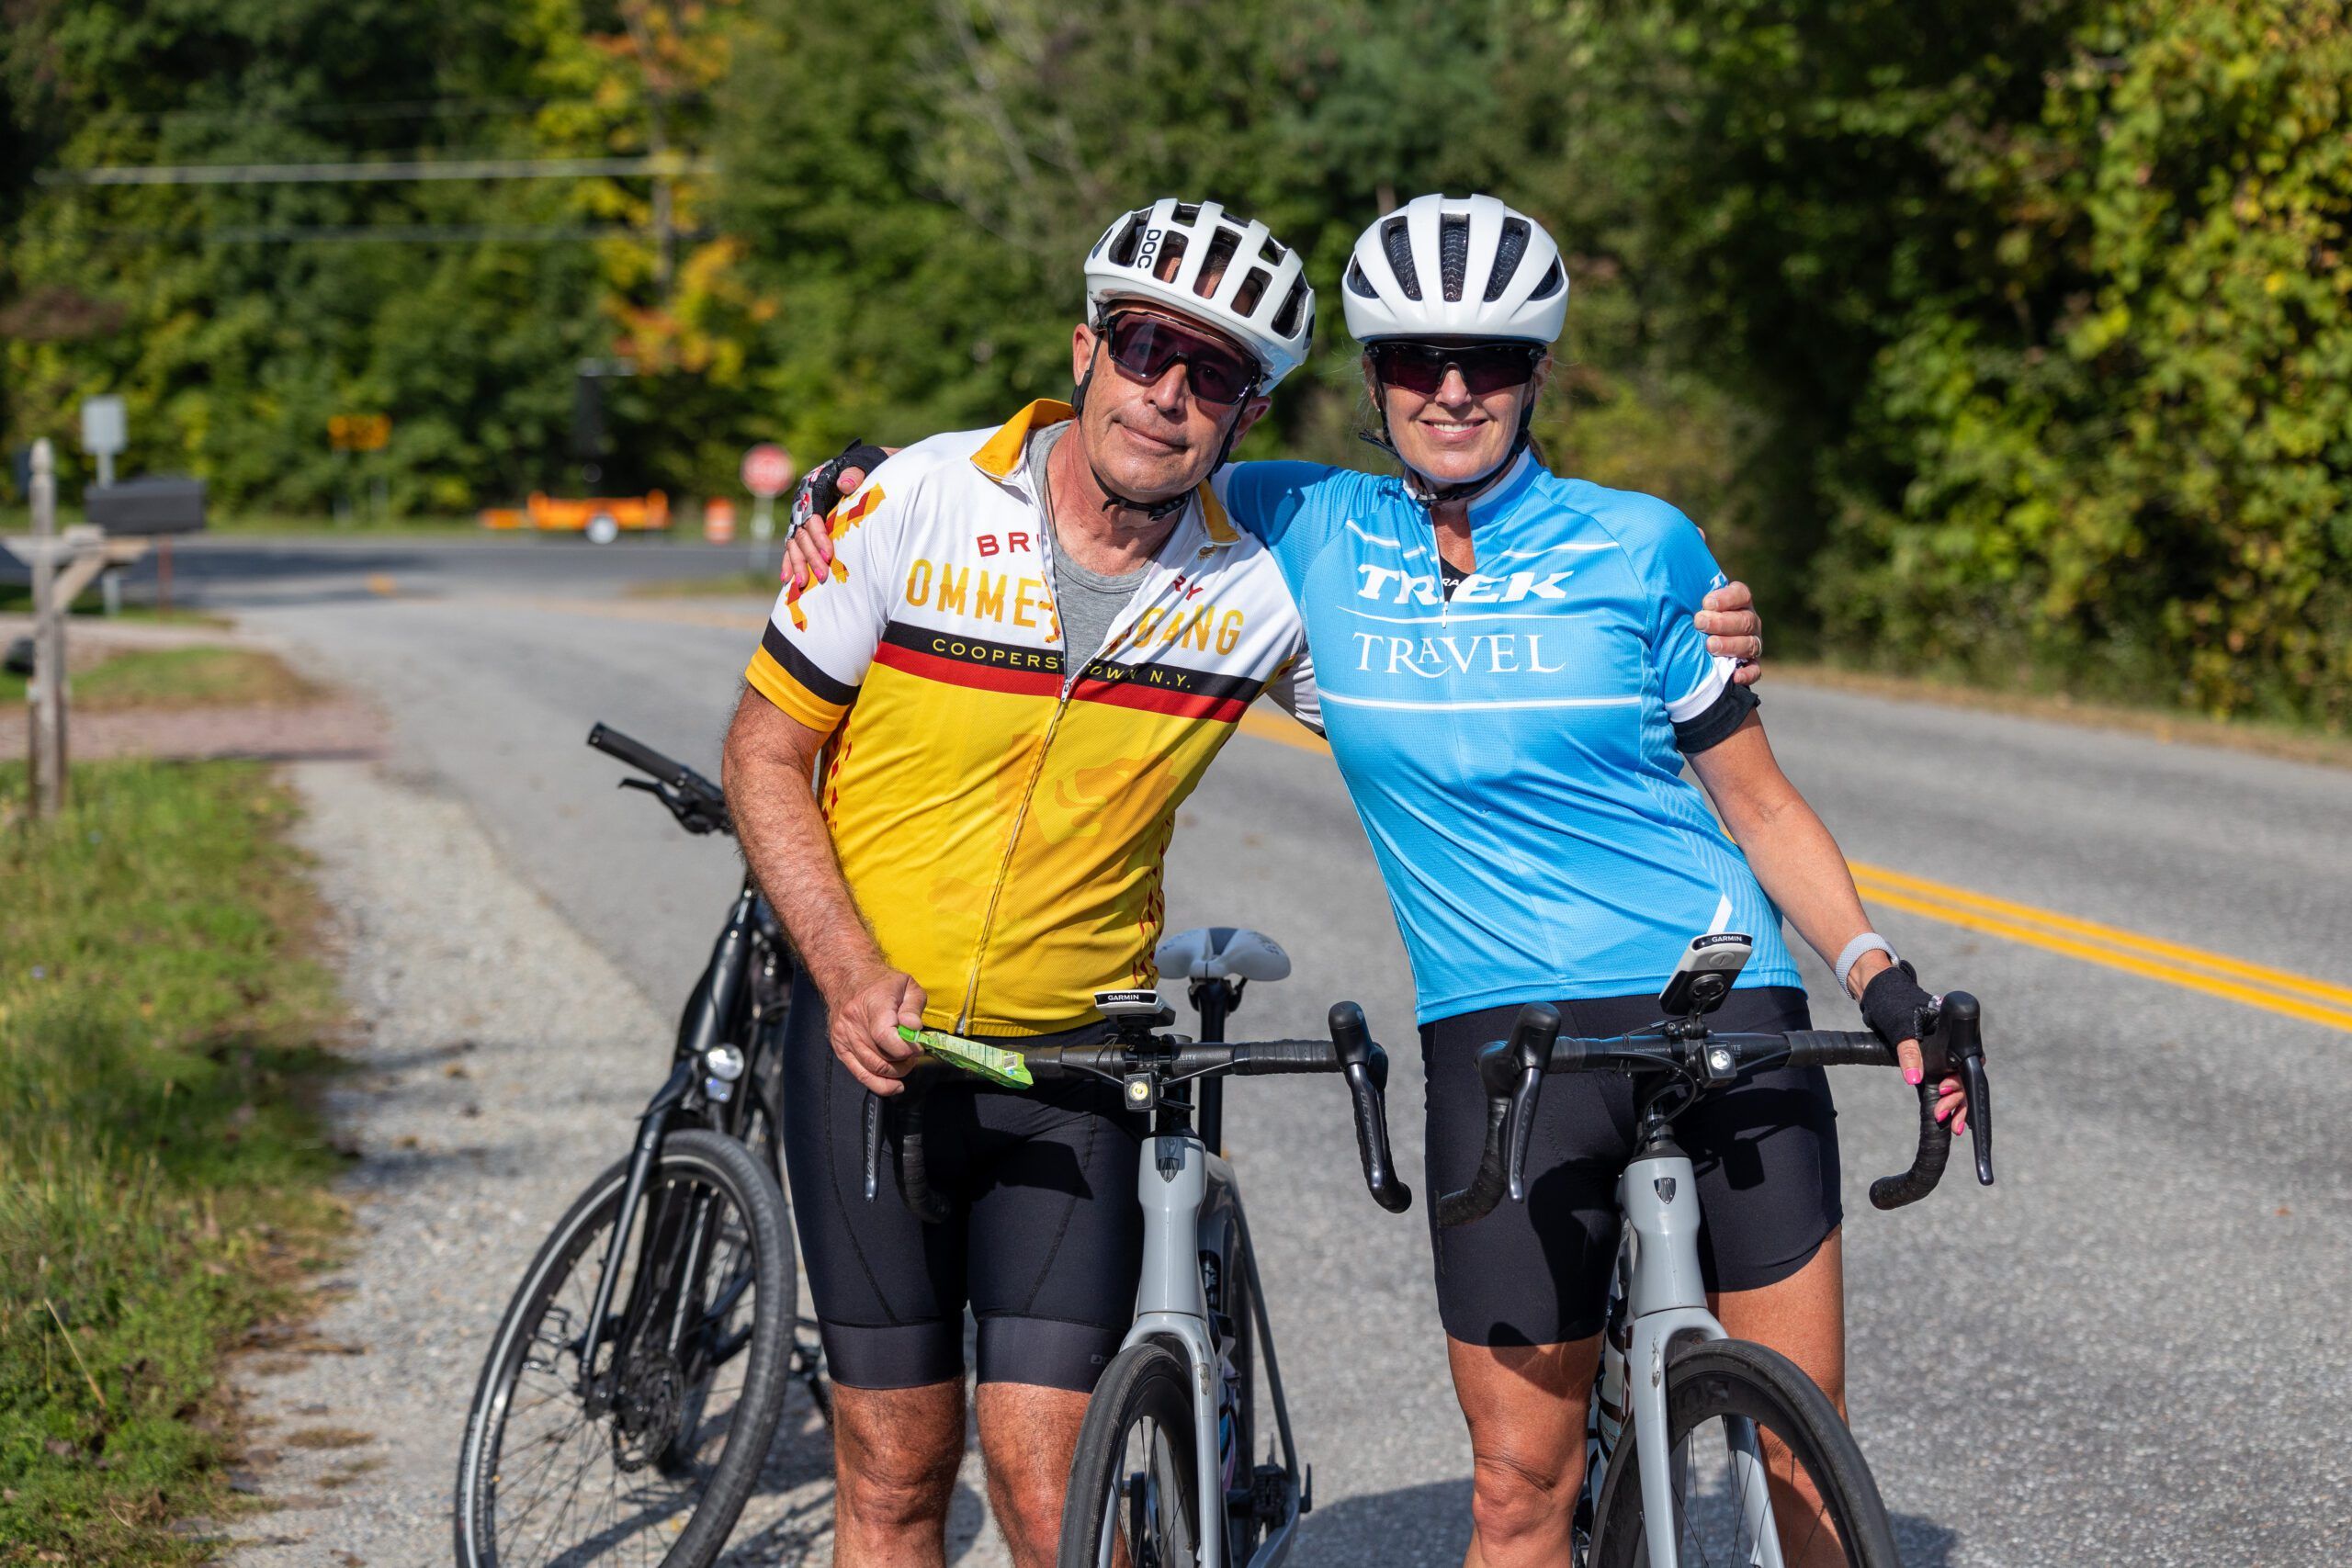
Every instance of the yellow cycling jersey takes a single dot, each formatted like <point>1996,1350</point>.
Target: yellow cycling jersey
<point>1001,808</point>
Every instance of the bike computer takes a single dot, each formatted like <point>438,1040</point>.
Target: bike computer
<point>1702,980</point>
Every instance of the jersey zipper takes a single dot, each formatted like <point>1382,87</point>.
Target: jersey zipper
<point>1071,670</point>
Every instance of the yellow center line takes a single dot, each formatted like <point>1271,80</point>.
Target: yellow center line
<point>2133,953</point>
<point>1892,883</point>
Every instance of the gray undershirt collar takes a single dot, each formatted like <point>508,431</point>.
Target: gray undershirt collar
<point>1087,602</point>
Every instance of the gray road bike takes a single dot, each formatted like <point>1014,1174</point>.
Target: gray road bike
<point>1720,1425</point>
<point>1165,1474</point>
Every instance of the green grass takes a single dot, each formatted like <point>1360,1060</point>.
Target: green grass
<point>180,677</point>
<point>162,1182</point>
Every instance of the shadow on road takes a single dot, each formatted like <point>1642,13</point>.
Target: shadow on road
<point>1429,1526</point>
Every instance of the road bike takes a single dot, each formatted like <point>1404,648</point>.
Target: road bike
<point>1721,1427</point>
<point>1165,1474</point>
<point>635,1384</point>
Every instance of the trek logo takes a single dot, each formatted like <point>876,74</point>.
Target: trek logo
<point>1476,589</point>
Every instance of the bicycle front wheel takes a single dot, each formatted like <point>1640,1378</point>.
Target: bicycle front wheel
<point>1737,1413</point>
<point>1135,1495</point>
<point>650,1460</point>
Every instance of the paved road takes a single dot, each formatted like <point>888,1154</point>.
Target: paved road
<point>2134,1349</point>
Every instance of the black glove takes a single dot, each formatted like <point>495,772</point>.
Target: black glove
<point>1895,1007</point>
<point>821,491</point>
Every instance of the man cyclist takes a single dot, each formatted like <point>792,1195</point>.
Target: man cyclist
<point>1030,645</point>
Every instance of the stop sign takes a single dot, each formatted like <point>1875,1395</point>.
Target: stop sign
<point>768,469</point>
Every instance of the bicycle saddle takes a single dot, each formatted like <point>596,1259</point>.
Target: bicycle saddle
<point>1218,953</point>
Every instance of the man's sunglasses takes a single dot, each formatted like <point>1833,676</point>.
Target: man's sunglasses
<point>1143,347</point>
<point>1487,367</point>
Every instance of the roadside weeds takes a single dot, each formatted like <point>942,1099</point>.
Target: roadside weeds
<point>163,1174</point>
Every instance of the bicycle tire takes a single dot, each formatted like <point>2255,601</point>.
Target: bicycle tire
<point>1146,1393</point>
<point>699,1158</point>
<point>1243,1525</point>
<point>1708,1381</point>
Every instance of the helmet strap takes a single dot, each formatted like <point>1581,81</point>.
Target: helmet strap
<point>1155,510</point>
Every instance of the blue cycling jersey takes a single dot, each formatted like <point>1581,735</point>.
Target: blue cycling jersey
<point>1513,750</point>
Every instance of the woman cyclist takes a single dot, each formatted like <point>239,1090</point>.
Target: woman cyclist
<point>1511,684</point>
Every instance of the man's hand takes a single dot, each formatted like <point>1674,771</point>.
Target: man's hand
<point>864,1028</point>
<point>1734,630</point>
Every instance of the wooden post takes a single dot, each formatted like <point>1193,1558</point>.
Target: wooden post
<point>48,692</point>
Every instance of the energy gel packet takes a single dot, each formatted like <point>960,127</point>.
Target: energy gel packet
<point>991,1062</point>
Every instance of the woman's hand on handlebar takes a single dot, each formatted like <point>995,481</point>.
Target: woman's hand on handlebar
<point>864,1028</point>
<point>1893,1004</point>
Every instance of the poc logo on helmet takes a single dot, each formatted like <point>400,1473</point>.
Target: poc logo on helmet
<point>1148,249</point>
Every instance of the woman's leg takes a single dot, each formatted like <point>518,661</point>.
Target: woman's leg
<point>1526,1408</point>
<point>1803,1317</point>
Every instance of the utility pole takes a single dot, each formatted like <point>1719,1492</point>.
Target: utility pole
<point>48,693</point>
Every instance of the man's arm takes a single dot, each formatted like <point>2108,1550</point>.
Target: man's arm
<point>768,772</point>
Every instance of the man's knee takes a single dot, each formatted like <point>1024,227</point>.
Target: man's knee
<point>897,1451</point>
<point>1515,1494</point>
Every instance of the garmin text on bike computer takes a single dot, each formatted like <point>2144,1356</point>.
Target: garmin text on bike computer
<point>1702,980</point>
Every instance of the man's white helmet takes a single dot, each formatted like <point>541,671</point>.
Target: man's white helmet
<point>1260,295</point>
<point>1457,266</point>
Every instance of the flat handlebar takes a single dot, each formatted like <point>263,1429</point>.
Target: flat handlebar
<point>1512,1072</point>
<point>1350,1052</point>
<point>699,805</point>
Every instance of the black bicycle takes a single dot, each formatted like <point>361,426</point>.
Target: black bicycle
<point>634,1386</point>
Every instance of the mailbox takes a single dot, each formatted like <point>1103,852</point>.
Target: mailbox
<point>146,506</point>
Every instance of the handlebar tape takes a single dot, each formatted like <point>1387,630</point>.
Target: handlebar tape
<point>1927,1167</point>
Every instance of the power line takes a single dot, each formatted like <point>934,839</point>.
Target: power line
<point>386,233</point>
<point>672,166</point>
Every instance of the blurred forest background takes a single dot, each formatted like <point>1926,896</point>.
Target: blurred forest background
<point>2008,339</point>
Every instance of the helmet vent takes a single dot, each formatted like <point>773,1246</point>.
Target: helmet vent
<point>1286,322</point>
<point>1358,283</point>
<point>1400,246</point>
<point>1554,281</point>
<point>1453,253</point>
<point>1222,244</point>
<point>1171,258</point>
<point>1188,212</point>
<point>1125,243</point>
<point>1509,252</point>
<point>1253,289</point>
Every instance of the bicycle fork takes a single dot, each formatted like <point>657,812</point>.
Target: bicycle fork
<point>650,1129</point>
<point>1663,1300</point>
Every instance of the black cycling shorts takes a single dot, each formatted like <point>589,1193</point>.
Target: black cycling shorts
<point>1765,1151</point>
<point>1044,1239</point>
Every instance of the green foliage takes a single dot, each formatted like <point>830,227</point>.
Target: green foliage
<point>159,1177</point>
<point>2048,306</point>
<point>1983,334</point>
<point>2128,432</point>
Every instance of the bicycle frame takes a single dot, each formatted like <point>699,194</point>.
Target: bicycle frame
<point>1190,1202</point>
<point>1665,1301</point>
<point>719,1013</point>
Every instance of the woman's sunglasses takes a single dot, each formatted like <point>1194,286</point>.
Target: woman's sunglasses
<point>1143,347</point>
<point>1487,367</point>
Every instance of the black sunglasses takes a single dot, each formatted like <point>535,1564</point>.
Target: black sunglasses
<point>1487,367</point>
<point>1143,347</point>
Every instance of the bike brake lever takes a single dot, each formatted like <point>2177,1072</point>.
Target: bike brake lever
<point>873,1144</point>
<point>1980,1116</point>
<point>1532,1038</point>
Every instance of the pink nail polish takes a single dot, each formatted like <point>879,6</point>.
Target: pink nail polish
<point>1911,1075</point>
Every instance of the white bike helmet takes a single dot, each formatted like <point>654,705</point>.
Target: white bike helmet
<point>1260,296</point>
<point>1464,266</point>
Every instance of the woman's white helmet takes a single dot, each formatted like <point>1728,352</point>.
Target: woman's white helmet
<point>1461,267</point>
<point>1198,260</point>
